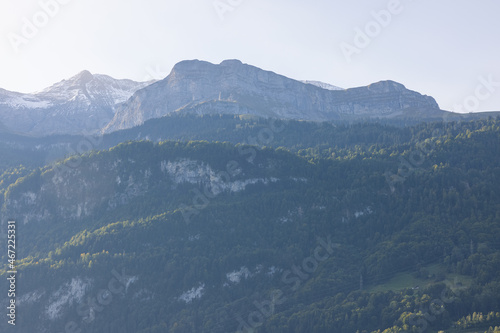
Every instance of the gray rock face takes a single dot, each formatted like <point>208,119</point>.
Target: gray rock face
<point>234,87</point>
<point>78,188</point>
<point>81,104</point>
<point>323,85</point>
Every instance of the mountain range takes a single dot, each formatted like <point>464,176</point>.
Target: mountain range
<point>89,103</point>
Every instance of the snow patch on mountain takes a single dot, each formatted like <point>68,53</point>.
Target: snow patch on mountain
<point>84,102</point>
<point>27,102</point>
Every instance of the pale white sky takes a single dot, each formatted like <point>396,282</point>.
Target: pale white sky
<point>437,47</point>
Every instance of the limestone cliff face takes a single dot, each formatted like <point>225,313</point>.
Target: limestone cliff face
<point>81,187</point>
<point>88,102</point>
<point>234,87</point>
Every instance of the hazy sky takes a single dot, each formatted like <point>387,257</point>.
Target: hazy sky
<point>449,49</point>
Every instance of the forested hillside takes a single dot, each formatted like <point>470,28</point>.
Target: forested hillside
<point>34,152</point>
<point>284,227</point>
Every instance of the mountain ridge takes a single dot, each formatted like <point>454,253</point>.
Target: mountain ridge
<point>93,103</point>
<point>263,93</point>
<point>82,103</point>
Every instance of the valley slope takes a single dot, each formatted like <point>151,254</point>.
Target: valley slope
<point>216,237</point>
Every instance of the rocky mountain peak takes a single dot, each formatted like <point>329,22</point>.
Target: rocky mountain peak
<point>196,69</point>
<point>83,77</point>
<point>386,86</point>
<point>188,66</point>
<point>84,102</point>
<point>231,62</point>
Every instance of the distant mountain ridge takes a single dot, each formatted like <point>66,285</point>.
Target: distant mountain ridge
<point>251,90</point>
<point>83,103</point>
<point>92,103</point>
